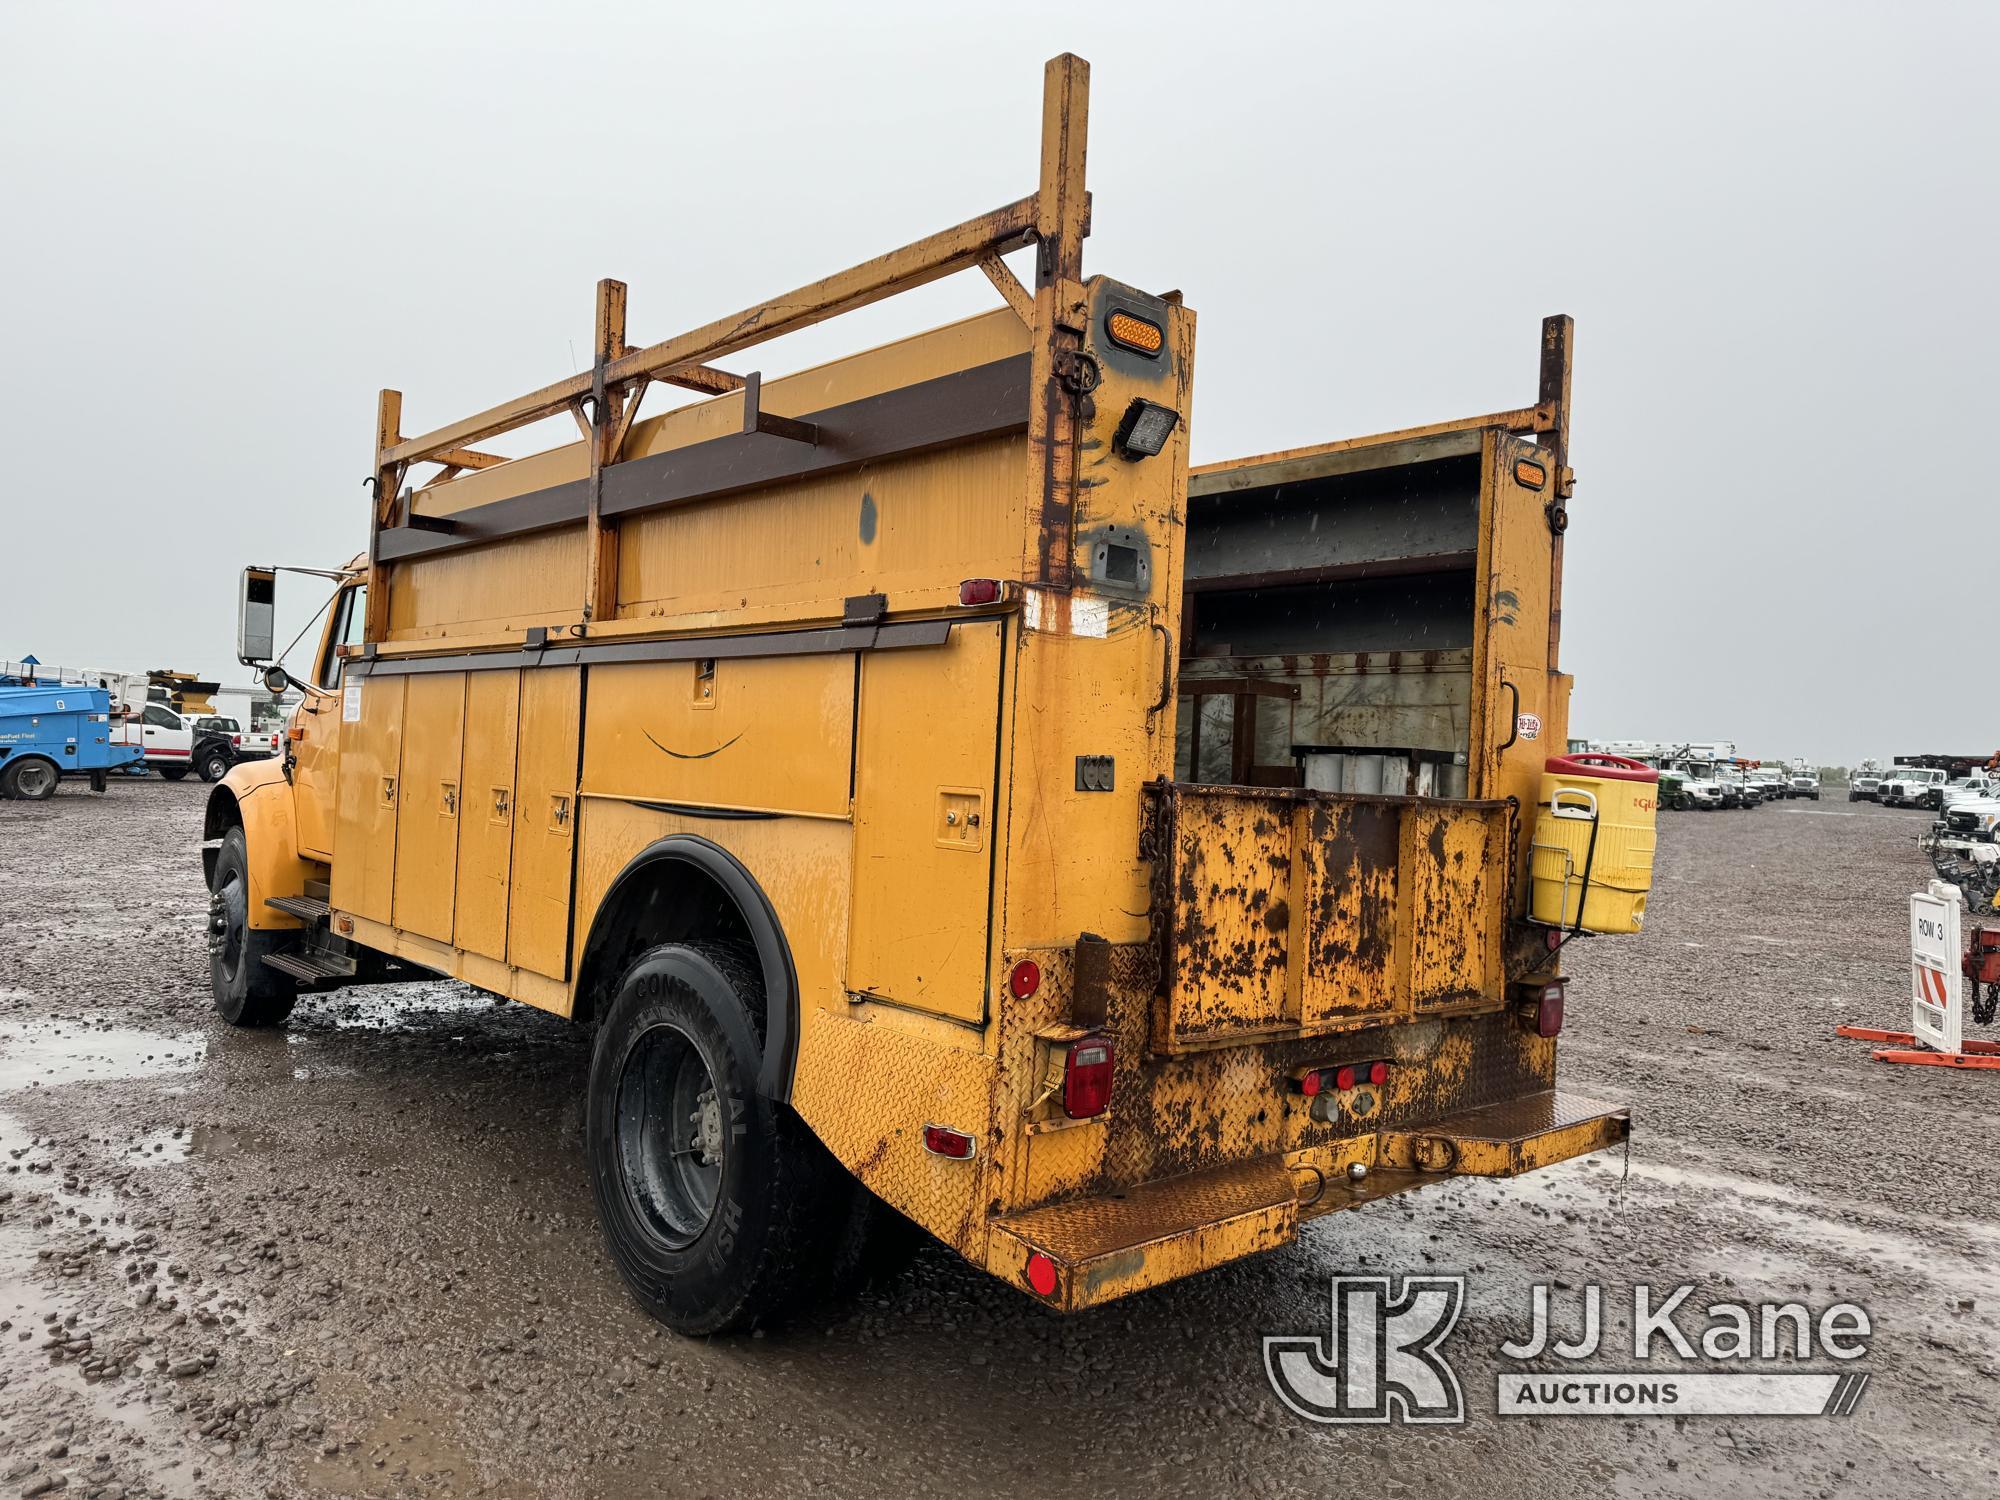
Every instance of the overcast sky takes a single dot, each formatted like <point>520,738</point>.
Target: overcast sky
<point>223,228</point>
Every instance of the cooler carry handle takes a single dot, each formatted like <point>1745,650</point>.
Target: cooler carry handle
<point>1588,810</point>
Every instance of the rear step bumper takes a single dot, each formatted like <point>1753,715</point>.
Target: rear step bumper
<point>1108,1246</point>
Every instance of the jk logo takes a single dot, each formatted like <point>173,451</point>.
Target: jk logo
<point>1379,1361</point>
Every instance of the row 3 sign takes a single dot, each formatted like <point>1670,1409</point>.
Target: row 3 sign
<point>1937,1008</point>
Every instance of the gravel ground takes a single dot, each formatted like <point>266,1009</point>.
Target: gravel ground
<point>357,1257</point>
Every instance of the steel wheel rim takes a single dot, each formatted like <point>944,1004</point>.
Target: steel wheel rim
<point>34,779</point>
<point>671,1144</point>
<point>217,769</point>
<point>229,914</point>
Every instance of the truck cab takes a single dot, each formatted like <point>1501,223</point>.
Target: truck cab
<point>1912,786</point>
<point>1772,782</point>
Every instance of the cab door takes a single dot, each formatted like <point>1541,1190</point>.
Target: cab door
<point>315,726</point>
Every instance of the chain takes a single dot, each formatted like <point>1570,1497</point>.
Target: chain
<point>1513,849</point>
<point>1984,1009</point>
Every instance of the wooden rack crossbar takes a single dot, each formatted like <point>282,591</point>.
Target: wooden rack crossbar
<point>605,398</point>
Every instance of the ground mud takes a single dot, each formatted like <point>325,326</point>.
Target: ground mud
<point>357,1256</point>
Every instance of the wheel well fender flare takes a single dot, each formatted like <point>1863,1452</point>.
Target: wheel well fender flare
<point>689,854</point>
<point>257,797</point>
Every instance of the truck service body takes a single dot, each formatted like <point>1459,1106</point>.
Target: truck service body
<point>817,742</point>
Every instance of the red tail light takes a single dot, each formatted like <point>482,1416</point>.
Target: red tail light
<point>1378,1073</point>
<point>1540,1006</point>
<point>1087,1079</point>
<point>1344,1079</point>
<point>979,591</point>
<point>942,1140</point>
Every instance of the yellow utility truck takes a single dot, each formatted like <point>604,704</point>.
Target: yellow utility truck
<point>943,804</point>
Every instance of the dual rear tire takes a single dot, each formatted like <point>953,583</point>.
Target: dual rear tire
<point>721,1208</point>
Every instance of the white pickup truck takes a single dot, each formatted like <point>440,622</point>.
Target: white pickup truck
<point>163,736</point>
<point>1976,787</point>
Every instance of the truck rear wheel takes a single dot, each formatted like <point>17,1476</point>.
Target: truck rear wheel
<point>248,992</point>
<point>719,1206</point>
<point>174,773</point>
<point>30,778</point>
<point>214,767</point>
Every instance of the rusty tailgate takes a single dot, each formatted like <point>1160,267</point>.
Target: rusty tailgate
<point>1283,912</point>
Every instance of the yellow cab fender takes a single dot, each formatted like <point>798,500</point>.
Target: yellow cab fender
<point>256,796</point>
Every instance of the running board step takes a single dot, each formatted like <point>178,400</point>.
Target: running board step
<point>305,908</point>
<point>311,968</point>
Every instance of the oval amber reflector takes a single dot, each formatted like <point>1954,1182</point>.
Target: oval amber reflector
<point>1135,333</point>
<point>1530,475</point>
<point>1042,1274</point>
<point>1025,979</point>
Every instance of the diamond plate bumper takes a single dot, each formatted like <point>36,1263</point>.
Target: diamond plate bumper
<point>1107,1246</point>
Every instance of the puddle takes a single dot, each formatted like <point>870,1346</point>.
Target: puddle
<point>50,1054</point>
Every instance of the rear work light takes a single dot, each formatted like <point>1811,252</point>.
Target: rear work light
<point>1145,429</point>
<point>1087,1079</point>
<point>1540,1006</point>
<point>942,1140</point>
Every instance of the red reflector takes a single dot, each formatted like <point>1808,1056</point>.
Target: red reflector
<point>1311,1084</point>
<point>1042,1274</point>
<point>979,591</point>
<point>941,1140</point>
<point>1344,1079</point>
<point>1087,1079</point>
<point>1024,979</point>
<point>1378,1073</point>
<point>1554,938</point>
